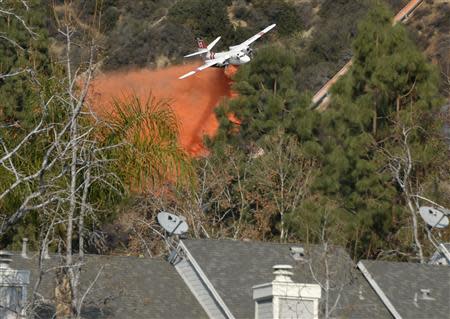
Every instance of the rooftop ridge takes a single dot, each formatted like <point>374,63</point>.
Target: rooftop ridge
<point>34,254</point>
<point>252,241</point>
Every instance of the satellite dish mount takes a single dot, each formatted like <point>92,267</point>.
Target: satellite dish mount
<point>173,225</point>
<point>436,218</point>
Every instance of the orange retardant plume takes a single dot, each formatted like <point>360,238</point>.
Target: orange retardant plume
<point>230,71</point>
<point>194,98</point>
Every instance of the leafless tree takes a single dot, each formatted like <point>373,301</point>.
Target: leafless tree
<point>8,154</point>
<point>330,267</point>
<point>283,176</point>
<point>246,196</point>
<point>401,165</point>
<point>72,162</point>
<point>85,161</point>
<point>208,206</point>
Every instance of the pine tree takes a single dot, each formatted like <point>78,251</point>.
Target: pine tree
<point>24,70</point>
<point>267,99</point>
<point>23,50</point>
<point>390,86</point>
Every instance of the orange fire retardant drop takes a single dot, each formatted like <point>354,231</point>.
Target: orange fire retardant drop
<point>194,98</point>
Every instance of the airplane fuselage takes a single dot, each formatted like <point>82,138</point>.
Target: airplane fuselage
<point>235,58</point>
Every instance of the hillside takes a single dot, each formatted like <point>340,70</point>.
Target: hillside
<point>153,36</point>
<point>158,33</point>
<point>430,27</point>
<point>143,34</point>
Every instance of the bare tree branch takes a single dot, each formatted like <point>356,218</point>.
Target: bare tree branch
<point>11,13</point>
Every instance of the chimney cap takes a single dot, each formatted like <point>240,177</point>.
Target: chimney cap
<point>5,259</point>
<point>282,273</point>
<point>282,267</point>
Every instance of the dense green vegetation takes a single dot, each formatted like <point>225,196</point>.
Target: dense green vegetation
<point>24,62</point>
<point>20,50</point>
<point>59,163</point>
<point>391,88</point>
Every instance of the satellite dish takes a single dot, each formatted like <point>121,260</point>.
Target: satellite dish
<point>173,224</point>
<point>434,217</point>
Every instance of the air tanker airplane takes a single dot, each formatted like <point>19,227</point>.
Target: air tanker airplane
<point>236,55</point>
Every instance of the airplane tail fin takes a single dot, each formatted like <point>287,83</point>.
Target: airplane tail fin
<point>203,48</point>
<point>201,44</point>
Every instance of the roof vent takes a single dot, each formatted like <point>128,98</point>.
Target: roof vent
<point>360,293</point>
<point>5,259</point>
<point>298,253</point>
<point>426,294</point>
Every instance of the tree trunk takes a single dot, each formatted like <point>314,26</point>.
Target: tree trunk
<point>415,228</point>
<point>63,295</point>
<point>374,121</point>
<point>398,109</point>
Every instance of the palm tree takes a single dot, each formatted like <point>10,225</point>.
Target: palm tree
<point>149,131</point>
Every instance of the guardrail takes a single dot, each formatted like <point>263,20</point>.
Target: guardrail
<point>322,96</point>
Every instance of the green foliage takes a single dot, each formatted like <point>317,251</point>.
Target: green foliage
<point>25,53</point>
<point>135,43</point>
<point>202,17</point>
<point>267,98</point>
<point>110,17</point>
<point>151,154</point>
<point>138,33</point>
<point>288,16</point>
<point>22,51</point>
<point>103,195</point>
<point>342,155</point>
<point>390,86</point>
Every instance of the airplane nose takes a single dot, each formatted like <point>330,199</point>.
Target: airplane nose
<point>245,59</point>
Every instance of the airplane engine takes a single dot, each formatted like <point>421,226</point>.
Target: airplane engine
<point>243,58</point>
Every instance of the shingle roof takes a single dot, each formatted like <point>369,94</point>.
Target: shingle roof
<point>234,267</point>
<point>402,284</point>
<point>127,287</point>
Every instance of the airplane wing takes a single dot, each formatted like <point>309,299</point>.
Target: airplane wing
<point>253,38</point>
<point>208,64</point>
<point>203,51</point>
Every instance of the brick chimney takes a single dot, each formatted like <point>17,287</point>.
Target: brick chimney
<point>283,298</point>
<point>13,288</point>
